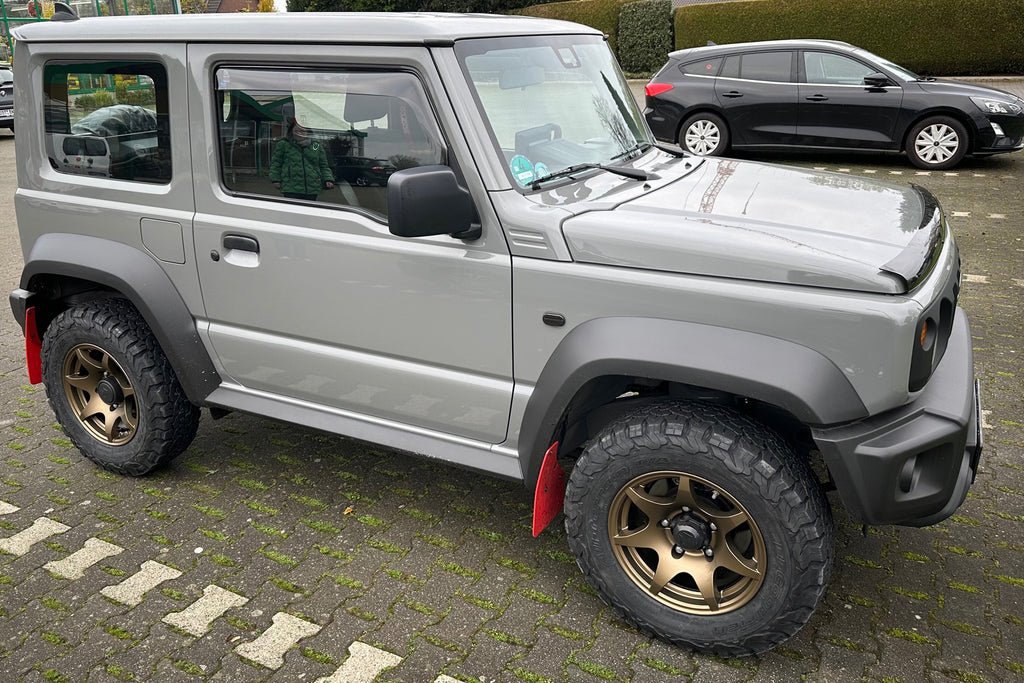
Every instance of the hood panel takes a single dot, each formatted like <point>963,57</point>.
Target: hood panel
<point>754,221</point>
<point>943,87</point>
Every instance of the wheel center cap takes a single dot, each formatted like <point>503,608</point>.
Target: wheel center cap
<point>690,532</point>
<point>109,391</point>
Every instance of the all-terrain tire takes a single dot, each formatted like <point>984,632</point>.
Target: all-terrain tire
<point>750,508</point>
<point>105,349</point>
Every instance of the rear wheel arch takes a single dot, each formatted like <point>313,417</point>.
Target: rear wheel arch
<point>704,109</point>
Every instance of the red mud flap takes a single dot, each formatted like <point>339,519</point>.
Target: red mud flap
<point>550,491</point>
<point>33,348</point>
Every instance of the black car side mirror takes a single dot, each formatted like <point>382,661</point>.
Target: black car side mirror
<point>877,80</point>
<point>428,200</point>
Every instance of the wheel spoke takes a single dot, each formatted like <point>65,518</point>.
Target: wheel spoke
<point>87,361</point>
<point>86,383</point>
<point>726,557</point>
<point>668,569</point>
<point>655,509</point>
<point>726,521</point>
<point>95,406</point>
<point>651,536</point>
<point>703,574</point>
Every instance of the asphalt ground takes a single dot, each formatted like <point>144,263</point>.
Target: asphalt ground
<point>272,552</point>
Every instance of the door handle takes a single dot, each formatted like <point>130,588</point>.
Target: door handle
<point>241,243</point>
<point>732,93</point>
<point>816,98</point>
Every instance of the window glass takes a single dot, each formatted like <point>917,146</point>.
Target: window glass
<point>329,137</point>
<point>824,67</point>
<point>706,67</point>
<point>108,119</point>
<point>731,68</point>
<point>767,66</point>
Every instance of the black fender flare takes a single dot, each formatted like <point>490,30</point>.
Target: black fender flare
<point>140,279</point>
<point>768,369</point>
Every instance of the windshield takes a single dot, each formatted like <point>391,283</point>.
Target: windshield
<point>899,71</point>
<point>552,102</point>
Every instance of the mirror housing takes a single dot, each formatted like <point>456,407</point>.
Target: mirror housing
<point>428,200</point>
<point>877,80</point>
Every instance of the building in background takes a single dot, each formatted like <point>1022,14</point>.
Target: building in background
<point>17,12</point>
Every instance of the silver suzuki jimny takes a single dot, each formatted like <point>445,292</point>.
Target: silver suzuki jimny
<point>452,235</point>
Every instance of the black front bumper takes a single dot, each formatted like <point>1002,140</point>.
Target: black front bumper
<point>913,465</point>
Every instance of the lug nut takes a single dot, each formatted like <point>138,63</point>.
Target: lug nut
<point>709,553</point>
<point>678,550</point>
<point>713,526</point>
<point>686,509</point>
<point>664,522</point>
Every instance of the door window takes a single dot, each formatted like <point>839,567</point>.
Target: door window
<point>832,69</point>
<point>767,66</point>
<point>331,137</point>
<point>108,119</point>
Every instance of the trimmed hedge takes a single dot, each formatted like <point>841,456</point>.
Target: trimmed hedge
<point>942,37</point>
<point>600,14</point>
<point>645,35</point>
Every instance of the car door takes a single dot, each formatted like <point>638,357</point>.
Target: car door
<point>837,109</point>
<point>758,94</point>
<point>308,296</point>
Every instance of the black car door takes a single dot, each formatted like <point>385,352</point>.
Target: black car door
<point>758,93</point>
<point>838,110</point>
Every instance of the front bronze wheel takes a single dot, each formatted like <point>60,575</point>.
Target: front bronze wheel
<point>687,543</point>
<point>701,527</point>
<point>100,394</point>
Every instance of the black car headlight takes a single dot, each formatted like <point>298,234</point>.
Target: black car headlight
<point>993,105</point>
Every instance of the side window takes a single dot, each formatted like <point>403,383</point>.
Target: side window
<point>326,136</point>
<point>767,66</point>
<point>731,69</point>
<point>824,67</point>
<point>706,67</point>
<point>108,119</point>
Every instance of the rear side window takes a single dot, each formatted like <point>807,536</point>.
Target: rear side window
<point>704,67</point>
<point>108,119</point>
<point>759,66</point>
<point>332,137</point>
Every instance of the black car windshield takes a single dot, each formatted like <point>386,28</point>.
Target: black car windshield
<point>899,71</point>
<point>552,102</point>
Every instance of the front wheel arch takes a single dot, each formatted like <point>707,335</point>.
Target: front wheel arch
<point>970,134</point>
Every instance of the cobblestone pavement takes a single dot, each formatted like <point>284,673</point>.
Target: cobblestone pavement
<point>273,552</point>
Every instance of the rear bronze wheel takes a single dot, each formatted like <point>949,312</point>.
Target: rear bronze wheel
<point>113,389</point>
<point>701,527</point>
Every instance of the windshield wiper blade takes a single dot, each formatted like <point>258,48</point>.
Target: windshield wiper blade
<point>623,171</point>
<point>641,146</point>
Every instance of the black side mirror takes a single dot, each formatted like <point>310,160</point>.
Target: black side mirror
<point>428,200</point>
<point>877,80</point>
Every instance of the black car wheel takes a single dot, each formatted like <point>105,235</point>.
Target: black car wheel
<point>705,135</point>
<point>937,143</point>
<point>700,526</point>
<point>113,390</point>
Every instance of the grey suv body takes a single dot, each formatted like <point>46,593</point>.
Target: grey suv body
<point>537,286</point>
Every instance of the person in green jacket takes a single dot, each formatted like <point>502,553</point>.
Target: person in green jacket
<point>299,165</point>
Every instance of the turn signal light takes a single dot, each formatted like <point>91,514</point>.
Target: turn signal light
<point>924,332</point>
<point>652,89</point>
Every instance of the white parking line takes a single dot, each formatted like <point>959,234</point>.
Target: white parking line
<point>197,617</point>
<point>984,419</point>
<point>999,216</point>
<point>446,679</point>
<point>270,647</point>
<point>961,214</point>
<point>923,173</point>
<point>363,665</point>
<point>870,170</point>
<point>980,279</point>
<point>7,508</point>
<point>132,590</point>
<point>74,565</point>
<point>41,529</point>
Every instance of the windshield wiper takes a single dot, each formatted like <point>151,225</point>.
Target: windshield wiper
<point>623,171</point>
<point>641,146</point>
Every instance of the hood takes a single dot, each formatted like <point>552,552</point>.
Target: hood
<point>753,221</point>
<point>943,87</point>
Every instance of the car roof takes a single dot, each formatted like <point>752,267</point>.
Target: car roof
<point>418,28</point>
<point>704,52</point>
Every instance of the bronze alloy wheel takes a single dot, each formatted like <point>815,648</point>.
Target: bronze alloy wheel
<point>687,542</point>
<point>100,394</point>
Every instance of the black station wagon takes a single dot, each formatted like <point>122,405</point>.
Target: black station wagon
<point>822,94</point>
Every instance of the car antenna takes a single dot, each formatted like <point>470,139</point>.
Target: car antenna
<point>63,12</point>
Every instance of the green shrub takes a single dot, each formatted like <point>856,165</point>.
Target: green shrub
<point>645,35</point>
<point>600,14</point>
<point>947,37</point>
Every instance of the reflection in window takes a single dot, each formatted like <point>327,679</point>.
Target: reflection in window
<point>331,137</point>
<point>823,67</point>
<point>108,120</point>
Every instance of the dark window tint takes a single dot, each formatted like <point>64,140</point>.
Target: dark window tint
<point>330,137</point>
<point>731,68</point>
<point>108,119</point>
<point>825,67</point>
<point>767,66</point>
<point>706,67</point>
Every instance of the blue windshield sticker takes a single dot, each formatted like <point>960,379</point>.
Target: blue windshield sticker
<point>522,169</point>
<point>540,170</point>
